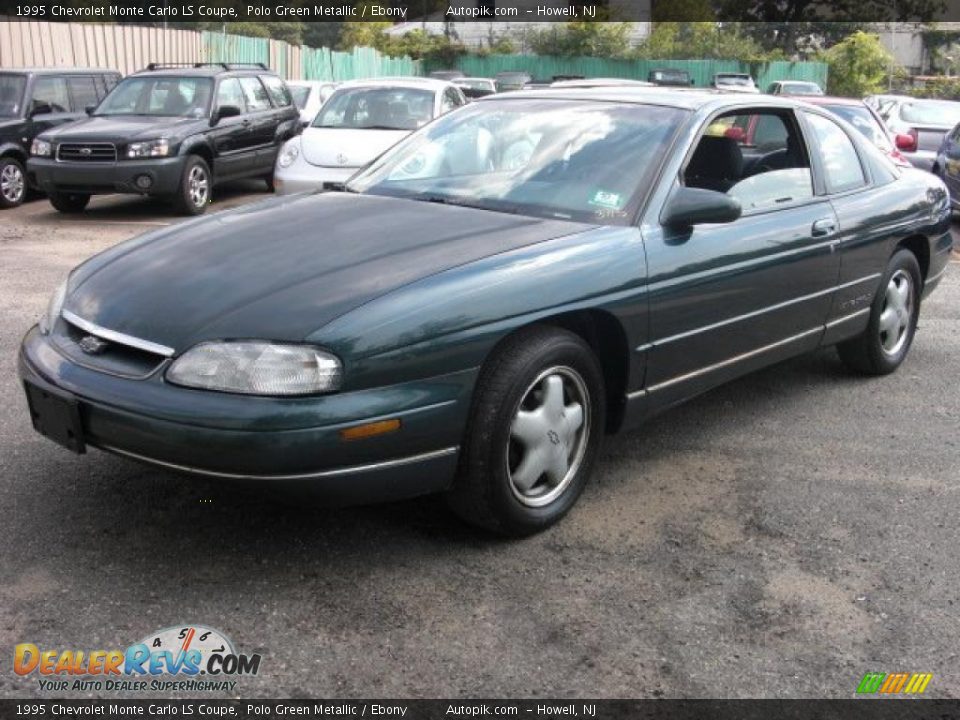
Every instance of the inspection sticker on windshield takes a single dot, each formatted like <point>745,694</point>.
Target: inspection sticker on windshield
<point>605,199</point>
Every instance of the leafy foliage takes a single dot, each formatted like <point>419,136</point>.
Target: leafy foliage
<point>858,65</point>
<point>592,39</point>
<point>676,40</point>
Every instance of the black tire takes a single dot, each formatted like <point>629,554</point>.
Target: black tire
<point>484,493</point>
<point>190,198</point>
<point>867,352</point>
<point>268,179</point>
<point>13,182</point>
<point>69,202</point>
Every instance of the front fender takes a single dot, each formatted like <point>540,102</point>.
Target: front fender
<point>14,149</point>
<point>450,321</point>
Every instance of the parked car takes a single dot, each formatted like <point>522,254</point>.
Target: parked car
<point>169,132</point>
<point>735,82</point>
<point>600,82</point>
<point>920,127</point>
<point>794,87</point>
<point>360,120</point>
<point>309,96</point>
<point>947,164</point>
<point>866,120</point>
<point>474,88</point>
<point>475,326</point>
<point>447,74</point>
<point>33,100</point>
<point>670,77</point>
<point>511,80</point>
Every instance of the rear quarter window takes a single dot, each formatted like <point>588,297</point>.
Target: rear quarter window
<point>278,90</point>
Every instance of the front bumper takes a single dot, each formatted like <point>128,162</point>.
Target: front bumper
<point>288,443</point>
<point>301,177</point>
<point>94,178</point>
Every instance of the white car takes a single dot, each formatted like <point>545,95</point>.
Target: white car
<point>735,82</point>
<point>360,120</point>
<point>309,96</point>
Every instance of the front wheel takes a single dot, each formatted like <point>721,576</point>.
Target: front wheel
<point>196,184</point>
<point>69,202</point>
<point>883,346</point>
<point>13,182</point>
<point>536,423</point>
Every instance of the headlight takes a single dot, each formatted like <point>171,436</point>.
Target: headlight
<point>149,148</point>
<point>41,148</point>
<point>289,154</point>
<point>257,368</point>
<point>49,318</point>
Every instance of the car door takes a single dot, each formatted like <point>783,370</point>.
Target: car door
<point>261,116</point>
<point>49,104</point>
<point>728,298</point>
<point>83,93</point>
<point>285,122</point>
<point>858,202</point>
<point>230,137</point>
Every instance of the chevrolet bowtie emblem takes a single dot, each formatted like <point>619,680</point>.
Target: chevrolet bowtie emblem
<point>92,345</point>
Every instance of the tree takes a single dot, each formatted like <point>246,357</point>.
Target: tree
<point>676,40</point>
<point>857,66</point>
<point>594,39</point>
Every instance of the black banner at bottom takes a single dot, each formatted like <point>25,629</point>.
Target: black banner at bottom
<point>855,709</point>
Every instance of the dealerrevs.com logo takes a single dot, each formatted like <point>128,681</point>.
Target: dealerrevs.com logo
<point>187,657</point>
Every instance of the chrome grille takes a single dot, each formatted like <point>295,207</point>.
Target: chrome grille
<point>87,152</point>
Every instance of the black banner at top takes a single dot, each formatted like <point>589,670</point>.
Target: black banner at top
<point>227,11</point>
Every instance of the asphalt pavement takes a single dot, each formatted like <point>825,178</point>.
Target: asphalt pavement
<point>778,537</point>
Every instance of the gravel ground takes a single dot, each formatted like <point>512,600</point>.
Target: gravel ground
<point>778,537</point>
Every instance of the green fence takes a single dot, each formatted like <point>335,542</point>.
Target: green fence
<point>326,64</point>
<point>543,67</point>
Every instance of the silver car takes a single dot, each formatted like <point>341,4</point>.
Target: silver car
<point>920,126</point>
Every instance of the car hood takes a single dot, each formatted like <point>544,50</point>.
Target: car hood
<point>9,125</point>
<point>114,128</point>
<point>283,268</point>
<point>347,147</point>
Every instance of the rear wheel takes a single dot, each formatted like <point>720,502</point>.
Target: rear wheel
<point>13,182</point>
<point>536,423</point>
<point>195,189</point>
<point>69,202</point>
<point>883,346</point>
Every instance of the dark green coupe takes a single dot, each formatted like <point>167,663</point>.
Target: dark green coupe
<point>472,312</point>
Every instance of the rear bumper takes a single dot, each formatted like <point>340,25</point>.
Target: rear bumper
<point>922,159</point>
<point>97,178</point>
<point>286,444</point>
<point>940,251</point>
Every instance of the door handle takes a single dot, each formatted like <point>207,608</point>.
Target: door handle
<point>824,227</point>
<point>245,122</point>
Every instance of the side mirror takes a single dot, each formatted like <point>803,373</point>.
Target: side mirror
<point>224,111</point>
<point>694,206</point>
<point>905,142</point>
<point>89,109</point>
<point>40,108</point>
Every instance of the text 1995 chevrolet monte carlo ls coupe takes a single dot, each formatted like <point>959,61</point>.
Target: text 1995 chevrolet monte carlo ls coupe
<point>489,297</point>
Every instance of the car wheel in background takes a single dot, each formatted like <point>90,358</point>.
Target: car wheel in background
<point>535,426</point>
<point>196,186</point>
<point>13,182</point>
<point>69,202</point>
<point>881,348</point>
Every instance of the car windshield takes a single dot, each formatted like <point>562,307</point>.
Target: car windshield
<point>300,94</point>
<point>11,94</point>
<point>476,84</point>
<point>671,76</point>
<point>377,108</point>
<point>931,112</point>
<point>802,88</point>
<point>733,80</point>
<point>864,121</point>
<point>583,161</point>
<point>161,96</point>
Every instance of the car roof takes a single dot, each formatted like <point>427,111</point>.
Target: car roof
<point>311,83</point>
<point>210,70</point>
<point>684,98</point>
<point>57,70</point>
<point>830,100</point>
<point>409,82</point>
<point>601,82</point>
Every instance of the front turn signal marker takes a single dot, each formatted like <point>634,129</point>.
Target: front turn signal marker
<point>372,429</point>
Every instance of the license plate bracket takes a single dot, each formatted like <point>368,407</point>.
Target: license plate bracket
<point>56,417</point>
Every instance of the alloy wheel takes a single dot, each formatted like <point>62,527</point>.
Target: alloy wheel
<point>198,185</point>
<point>897,313</point>
<point>12,184</point>
<point>548,436</point>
